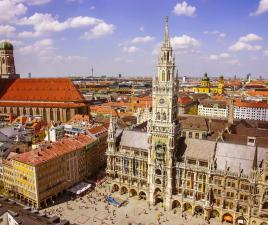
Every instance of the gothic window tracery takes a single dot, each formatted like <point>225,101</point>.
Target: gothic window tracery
<point>163,75</point>
<point>168,75</point>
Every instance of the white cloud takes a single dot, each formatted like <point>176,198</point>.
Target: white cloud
<point>141,28</point>
<point>219,56</point>
<point>44,24</point>
<point>233,61</point>
<point>184,42</point>
<point>75,1</point>
<point>215,32</point>
<point>243,43</point>
<point>92,7</point>
<point>184,9</point>
<point>240,46</point>
<point>70,58</point>
<point>10,10</point>
<point>42,48</point>
<point>265,52</point>
<point>250,37</point>
<point>130,49</point>
<point>101,30</point>
<point>36,2</point>
<point>7,30</point>
<point>144,39</point>
<point>262,8</point>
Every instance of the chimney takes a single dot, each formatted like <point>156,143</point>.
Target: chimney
<point>251,141</point>
<point>209,126</point>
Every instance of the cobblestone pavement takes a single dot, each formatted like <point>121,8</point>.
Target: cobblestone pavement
<point>93,209</point>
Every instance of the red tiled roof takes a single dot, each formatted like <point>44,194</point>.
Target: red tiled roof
<point>258,93</point>
<point>97,130</point>
<point>54,150</point>
<point>251,104</point>
<point>184,100</point>
<point>39,89</point>
<point>41,104</point>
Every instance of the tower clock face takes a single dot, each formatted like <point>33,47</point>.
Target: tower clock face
<point>162,101</point>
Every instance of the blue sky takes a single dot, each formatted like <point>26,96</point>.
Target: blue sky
<point>68,37</point>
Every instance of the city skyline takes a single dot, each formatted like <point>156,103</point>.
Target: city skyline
<point>70,37</point>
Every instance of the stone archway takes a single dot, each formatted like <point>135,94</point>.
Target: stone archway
<point>158,198</point>
<point>228,218</point>
<point>176,204</point>
<point>214,214</point>
<point>115,188</point>
<point>198,210</point>
<point>123,190</point>
<point>132,193</point>
<point>187,207</point>
<point>142,195</point>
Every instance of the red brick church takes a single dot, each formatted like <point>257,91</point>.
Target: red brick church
<point>51,98</point>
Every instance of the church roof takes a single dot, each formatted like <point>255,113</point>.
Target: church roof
<point>35,91</point>
<point>199,149</point>
<point>238,157</point>
<point>134,139</point>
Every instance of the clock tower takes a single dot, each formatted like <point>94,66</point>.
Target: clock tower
<point>163,127</point>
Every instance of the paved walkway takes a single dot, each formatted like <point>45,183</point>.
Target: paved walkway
<point>93,209</point>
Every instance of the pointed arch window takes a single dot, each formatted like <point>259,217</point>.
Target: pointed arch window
<point>158,115</point>
<point>168,75</point>
<point>164,116</point>
<point>163,75</point>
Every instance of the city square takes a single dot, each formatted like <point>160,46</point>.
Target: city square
<point>93,208</point>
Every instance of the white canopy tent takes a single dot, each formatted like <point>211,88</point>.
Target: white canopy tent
<point>80,188</point>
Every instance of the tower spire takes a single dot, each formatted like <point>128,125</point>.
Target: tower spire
<point>166,35</point>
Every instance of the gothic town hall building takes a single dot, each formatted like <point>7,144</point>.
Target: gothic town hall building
<point>215,167</point>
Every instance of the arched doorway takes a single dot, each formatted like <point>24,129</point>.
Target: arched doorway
<point>240,220</point>
<point>214,214</point>
<point>198,210</point>
<point>187,207</point>
<point>158,198</point>
<point>132,192</point>
<point>176,204</point>
<point>115,188</point>
<point>227,217</point>
<point>142,195</point>
<point>123,190</point>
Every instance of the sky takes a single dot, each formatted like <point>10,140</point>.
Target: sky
<point>69,37</point>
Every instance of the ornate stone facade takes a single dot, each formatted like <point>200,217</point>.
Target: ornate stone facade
<point>217,168</point>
